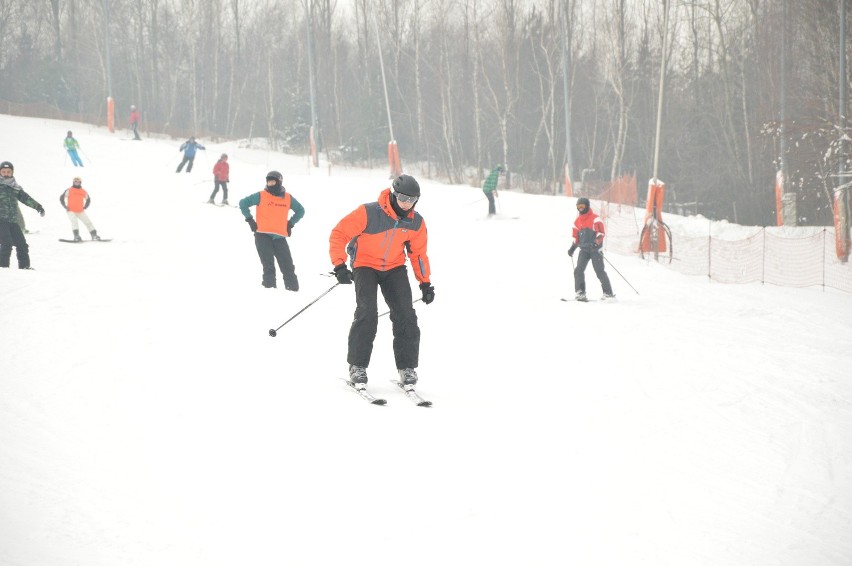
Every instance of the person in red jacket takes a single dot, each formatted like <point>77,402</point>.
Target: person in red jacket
<point>76,200</point>
<point>134,122</point>
<point>376,237</point>
<point>588,235</point>
<point>221,176</point>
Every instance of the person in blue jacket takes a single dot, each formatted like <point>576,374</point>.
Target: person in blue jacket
<point>189,147</point>
<point>272,228</point>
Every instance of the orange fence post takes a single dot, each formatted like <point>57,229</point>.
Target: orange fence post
<point>569,190</point>
<point>314,158</point>
<point>841,225</point>
<point>779,194</point>
<point>110,115</point>
<point>654,218</point>
<point>393,160</point>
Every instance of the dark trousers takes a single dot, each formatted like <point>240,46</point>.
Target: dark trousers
<point>396,291</point>
<point>186,161</point>
<point>135,127</point>
<point>598,264</point>
<point>12,235</point>
<point>216,185</point>
<point>491,208</point>
<point>270,250</point>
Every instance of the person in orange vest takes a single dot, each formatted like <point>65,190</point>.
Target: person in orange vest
<point>377,236</point>
<point>221,175</point>
<point>76,200</point>
<point>272,228</point>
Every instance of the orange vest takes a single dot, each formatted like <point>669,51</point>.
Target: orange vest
<point>272,213</point>
<point>75,199</point>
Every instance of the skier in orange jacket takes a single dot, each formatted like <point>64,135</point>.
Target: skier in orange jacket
<point>376,237</point>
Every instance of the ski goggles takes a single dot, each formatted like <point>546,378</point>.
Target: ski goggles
<point>581,207</point>
<point>402,197</point>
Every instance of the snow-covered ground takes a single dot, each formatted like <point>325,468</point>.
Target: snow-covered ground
<point>147,417</point>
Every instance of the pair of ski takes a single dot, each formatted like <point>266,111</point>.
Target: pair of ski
<point>408,390</point>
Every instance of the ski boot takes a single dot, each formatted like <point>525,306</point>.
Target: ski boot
<point>94,234</point>
<point>407,376</point>
<point>581,296</point>
<point>358,377</point>
<point>77,237</point>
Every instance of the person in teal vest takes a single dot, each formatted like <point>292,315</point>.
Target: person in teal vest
<point>489,187</point>
<point>71,146</point>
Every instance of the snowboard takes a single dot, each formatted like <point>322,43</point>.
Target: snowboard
<point>85,241</point>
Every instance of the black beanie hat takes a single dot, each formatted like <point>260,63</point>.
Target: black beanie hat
<point>584,200</point>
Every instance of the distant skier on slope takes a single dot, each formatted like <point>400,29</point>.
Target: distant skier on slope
<point>588,233</point>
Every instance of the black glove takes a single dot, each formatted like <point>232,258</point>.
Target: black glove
<point>289,226</point>
<point>344,276</point>
<point>596,246</point>
<point>40,210</point>
<point>428,292</point>
<point>252,224</point>
<point>572,249</point>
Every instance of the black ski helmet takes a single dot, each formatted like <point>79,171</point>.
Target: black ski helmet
<point>407,185</point>
<point>278,188</point>
<point>7,164</point>
<point>584,201</point>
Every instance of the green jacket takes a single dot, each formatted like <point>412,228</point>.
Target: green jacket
<point>71,143</point>
<point>10,194</point>
<point>490,183</point>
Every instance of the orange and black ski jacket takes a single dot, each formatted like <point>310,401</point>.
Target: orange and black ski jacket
<point>374,237</point>
<point>75,199</point>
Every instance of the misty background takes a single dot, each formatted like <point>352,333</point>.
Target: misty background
<point>470,83</point>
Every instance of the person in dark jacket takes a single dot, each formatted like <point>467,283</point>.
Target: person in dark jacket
<point>189,148</point>
<point>377,236</point>
<point>489,187</point>
<point>272,228</point>
<point>11,234</point>
<point>588,235</point>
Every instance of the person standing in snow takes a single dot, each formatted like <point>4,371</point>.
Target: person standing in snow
<point>221,175</point>
<point>189,147</point>
<point>71,146</point>
<point>134,122</point>
<point>11,234</point>
<point>76,200</point>
<point>272,228</point>
<point>588,234</point>
<point>489,187</point>
<point>376,237</point>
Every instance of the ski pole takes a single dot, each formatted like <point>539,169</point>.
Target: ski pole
<point>617,271</point>
<point>412,302</point>
<point>274,332</point>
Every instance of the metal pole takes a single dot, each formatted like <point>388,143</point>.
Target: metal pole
<point>662,88</point>
<point>565,72</point>
<point>311,83</point>
<point>384,81</point>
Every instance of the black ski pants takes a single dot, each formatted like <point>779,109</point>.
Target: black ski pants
<point>216,185</point>
<point>396,291</point>
<point>188,161</point>
<point>270,250</point>
<point>491,206</point>
<point>12,235</point>
<point>598,264</point>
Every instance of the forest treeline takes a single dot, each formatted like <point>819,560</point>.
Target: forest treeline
<point>470,84</point>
